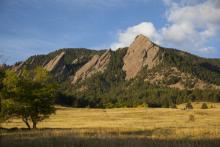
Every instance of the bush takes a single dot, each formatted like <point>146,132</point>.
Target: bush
<point>144,105</point>
<point>204,106</point>
<point>212,106</point>
<point>191,117</point>
<point>189,106</point>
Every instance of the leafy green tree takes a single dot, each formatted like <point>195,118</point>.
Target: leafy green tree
<point>29,96</point>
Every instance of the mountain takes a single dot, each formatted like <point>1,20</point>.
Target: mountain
<point>142,73</point>
<point>141,53</point>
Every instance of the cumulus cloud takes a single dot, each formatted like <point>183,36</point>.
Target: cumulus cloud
<point>126,37</point>
<point>190,24</point>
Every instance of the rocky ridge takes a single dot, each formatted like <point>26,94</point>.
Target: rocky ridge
<point>141,53</point>
<point>96,64</point>
<point>54,63</point>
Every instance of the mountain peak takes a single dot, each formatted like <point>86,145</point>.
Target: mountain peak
<point>141,52</point>
<point>142,37</point>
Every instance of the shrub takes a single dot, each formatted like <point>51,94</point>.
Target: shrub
<point>191,117</point>
<point>144,105</point>
<point>189,106</point>
<point>204,106</point>
<point>212,106</point>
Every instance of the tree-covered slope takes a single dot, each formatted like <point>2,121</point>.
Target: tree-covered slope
<point>143,73</point>
<point>202,68</point>
<point>110,89</point>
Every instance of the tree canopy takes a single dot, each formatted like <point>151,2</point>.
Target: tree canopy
<point>29,95</point>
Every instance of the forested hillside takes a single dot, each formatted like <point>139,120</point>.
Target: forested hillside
<point>161,77</point>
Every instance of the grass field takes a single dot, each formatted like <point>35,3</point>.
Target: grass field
<point>120,127</point>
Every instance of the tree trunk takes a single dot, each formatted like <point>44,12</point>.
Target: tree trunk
<point>34,121</point>
<point>34,124</point>
<point>25,120</point>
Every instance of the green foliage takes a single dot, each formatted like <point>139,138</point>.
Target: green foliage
<point>204,69</point>
<point>134,93</point>
<point>172,79</point>
<point>2,75</point>
<point>29,96</point>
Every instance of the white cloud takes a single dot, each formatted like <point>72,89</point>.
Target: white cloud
<point>126,37</point>
<point>190,24</point>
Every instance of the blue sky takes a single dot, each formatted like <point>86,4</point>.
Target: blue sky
<point>30,27</point>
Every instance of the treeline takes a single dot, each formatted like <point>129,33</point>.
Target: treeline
<point>136,94</point>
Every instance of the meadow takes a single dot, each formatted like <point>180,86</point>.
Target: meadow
<point>128,127</point>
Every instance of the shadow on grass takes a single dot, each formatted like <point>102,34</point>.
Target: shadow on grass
<point>47,137</point>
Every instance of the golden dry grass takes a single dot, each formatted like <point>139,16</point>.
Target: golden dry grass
<point>139,122</point>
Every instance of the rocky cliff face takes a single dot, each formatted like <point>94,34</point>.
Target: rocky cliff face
<point>17,67</point>
<point>141,53</point>
<point>54,63</point>
<point>96,64</point>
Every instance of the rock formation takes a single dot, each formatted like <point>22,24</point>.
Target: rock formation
<point>142,52</point>
<point>52,64</point>
<point>96,64</point>
<point>18,66</point>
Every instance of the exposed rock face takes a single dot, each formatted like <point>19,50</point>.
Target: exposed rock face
<point>18,67</point>
<point>96,64</point>
<point>75,61</point>
<point>54,62</point>
<point>142,52</point>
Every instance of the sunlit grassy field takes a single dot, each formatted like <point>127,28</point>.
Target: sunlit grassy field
<point>120,127</point>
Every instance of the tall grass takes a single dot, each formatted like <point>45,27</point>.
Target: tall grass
<point>126,127</point>
<point>69,138</point>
